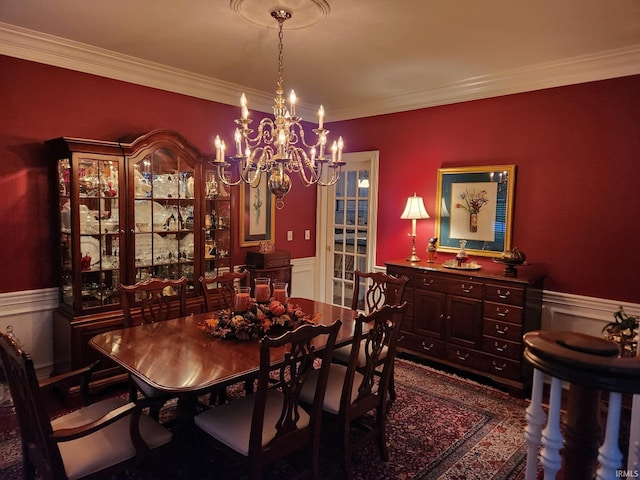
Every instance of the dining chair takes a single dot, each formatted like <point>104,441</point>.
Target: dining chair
<point>378,289</point>
<point>218,291</point>
<point>271,424</point>
<point>353,390</point>
<point>147,302</point>
<point>98,440</point>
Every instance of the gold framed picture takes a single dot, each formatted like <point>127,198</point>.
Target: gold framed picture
<point>475,204</point>
<point>257,214</point>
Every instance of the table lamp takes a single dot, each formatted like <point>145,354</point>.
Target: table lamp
<point>414,210</point>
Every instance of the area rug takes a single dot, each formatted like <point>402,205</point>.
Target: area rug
<point>440,427</point>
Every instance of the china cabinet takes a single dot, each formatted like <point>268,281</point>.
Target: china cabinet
<point>471,320</point>
<point>143,207</point>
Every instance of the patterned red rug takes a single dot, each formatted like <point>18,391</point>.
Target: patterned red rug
<point>440,427</point>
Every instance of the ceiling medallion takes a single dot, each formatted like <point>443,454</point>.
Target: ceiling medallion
<point>308,12</point>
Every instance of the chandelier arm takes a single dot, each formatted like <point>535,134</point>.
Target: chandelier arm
<point>308,172</point>
<point>303,139</point>
<point>222,171</point>
<point>334,177</point>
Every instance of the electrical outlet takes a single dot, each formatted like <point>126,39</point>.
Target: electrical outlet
<point>289,235</point>
<point>307,234</point>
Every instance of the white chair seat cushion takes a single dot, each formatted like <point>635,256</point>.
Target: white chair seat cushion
<point>108,446</point>
<point>333,392</point>
<point>342,354</point>
<point>230,423</point>
<point>147,389</point>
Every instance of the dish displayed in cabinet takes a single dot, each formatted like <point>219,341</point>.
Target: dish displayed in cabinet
<point>144,213</point>
<point>90,246</point>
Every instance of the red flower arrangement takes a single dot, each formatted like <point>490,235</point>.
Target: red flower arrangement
<point>473,201</point>
<point>259,320</point>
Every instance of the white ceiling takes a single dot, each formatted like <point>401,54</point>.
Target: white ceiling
<point>356,57</point>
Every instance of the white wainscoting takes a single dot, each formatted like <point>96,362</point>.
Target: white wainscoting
<point>30,312</point>
<point>302,278</point>
<point>564,311</point>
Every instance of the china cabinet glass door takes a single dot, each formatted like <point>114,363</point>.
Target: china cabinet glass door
<point>164,208</point>
<point>94,213</point>
<point>216,225</point>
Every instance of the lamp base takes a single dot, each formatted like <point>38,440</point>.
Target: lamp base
<point>413,258</point>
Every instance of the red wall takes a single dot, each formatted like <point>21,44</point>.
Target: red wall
<point>576,150</point>
<point>39,102</point>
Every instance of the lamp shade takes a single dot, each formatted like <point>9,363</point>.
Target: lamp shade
<point>414,209</point>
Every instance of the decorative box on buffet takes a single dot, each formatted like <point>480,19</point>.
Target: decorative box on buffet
<point>277,258</point>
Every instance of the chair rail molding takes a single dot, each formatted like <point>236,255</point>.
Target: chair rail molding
<point>577,313</point>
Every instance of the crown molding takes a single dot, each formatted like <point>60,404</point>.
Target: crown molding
<point>51,50</point>
<point>587,68</point>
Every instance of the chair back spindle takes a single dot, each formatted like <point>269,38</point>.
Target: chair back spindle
<point>153,300</point>
<point>218,292</point>
<point>372,290</point>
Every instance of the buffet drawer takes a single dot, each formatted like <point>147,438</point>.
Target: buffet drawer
<point>460,287</point>
<point>495,366</point>
<point>502,347</point>
<point>500,311</point>
<point>500,329</point>
<point>421,344</point>
<point>464,356</point>
<point>501,367</point>
<point>504,294</point>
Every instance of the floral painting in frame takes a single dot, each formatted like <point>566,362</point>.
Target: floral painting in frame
<point>475,204</point>
<point>257,214</point>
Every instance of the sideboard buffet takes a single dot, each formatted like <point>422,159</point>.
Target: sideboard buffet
<point>472,320</point>
<point>142,207</point>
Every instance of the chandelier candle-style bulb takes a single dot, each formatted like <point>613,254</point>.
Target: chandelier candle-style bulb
<point>278,146</point>
<point>292,102</point>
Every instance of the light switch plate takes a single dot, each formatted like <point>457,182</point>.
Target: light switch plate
<point>307,234</point>
<point>289,235</point>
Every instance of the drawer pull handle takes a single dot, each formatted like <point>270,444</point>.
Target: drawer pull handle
<point>461,356</point>
<point>501,348</point>
<point>466,289</point>
<point>499,368</point>
<point>425,347</point>
<point>401,338</point>
<point>505,294</point>
<point>501,332</point>
<point>502,313</point>
<point>427,283</point>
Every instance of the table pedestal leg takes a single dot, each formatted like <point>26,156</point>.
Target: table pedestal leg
<point>582,433</point>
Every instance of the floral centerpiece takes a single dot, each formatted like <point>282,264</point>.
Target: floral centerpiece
<point>273,318</point>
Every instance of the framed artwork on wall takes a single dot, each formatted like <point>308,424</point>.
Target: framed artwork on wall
<point>257,214</point>
<point>475,204</point>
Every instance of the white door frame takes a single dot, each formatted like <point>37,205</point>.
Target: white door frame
<point>324,223</point>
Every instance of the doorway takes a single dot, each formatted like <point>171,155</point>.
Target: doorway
<point>346,226</point>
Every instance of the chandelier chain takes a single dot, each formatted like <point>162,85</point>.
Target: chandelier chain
<point>280,54</point>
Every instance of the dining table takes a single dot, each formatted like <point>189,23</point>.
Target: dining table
<point>177,357</point>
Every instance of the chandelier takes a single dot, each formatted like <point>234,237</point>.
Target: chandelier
<point>279,146</point>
